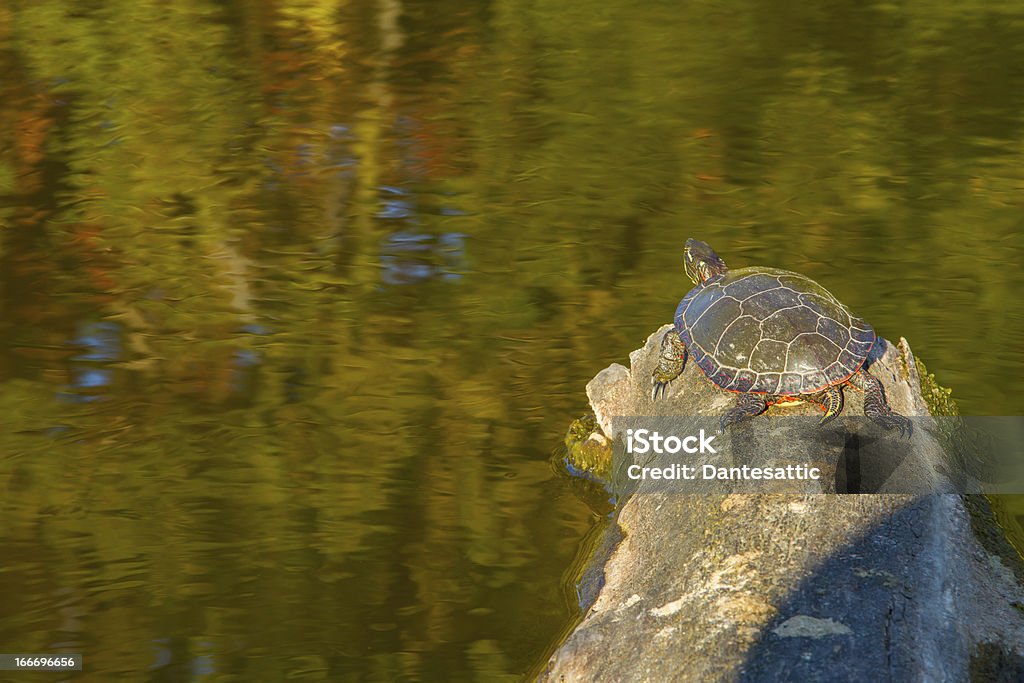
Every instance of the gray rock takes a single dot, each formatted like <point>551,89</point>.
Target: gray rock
<point>803,626</point>
<point>801,586</point>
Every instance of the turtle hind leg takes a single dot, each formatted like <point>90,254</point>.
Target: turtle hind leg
<point>671,361</point>
<point>747,406</point>
<point>831,401</point>
<point>876,407</point>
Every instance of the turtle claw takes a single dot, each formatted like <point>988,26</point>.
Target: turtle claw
<point>671,360</point>
<point>894,421</point>
<point>658,389</point>
<point>747,406</point>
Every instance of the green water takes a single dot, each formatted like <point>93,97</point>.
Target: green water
<point>296,298</point>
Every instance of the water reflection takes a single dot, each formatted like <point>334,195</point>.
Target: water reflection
<point>408,258</point>
<point>295,298</point>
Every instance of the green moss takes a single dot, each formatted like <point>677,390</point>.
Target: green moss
<point>951,432</point>
<point>588,450</point>
<point>995,662</point>
<point>993,519</point>
<point>938,398</point>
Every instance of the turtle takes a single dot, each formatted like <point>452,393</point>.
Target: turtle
<point>770,336</point>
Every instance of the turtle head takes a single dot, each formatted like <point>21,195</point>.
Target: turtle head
<point>701,263</point>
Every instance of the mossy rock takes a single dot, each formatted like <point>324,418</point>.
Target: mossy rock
<point>588,450</point>
<point>938,398</point>
<point>966,445</point>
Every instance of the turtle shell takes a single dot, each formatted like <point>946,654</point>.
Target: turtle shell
<point>769,331</point>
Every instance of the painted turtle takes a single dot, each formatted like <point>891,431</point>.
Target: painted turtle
<point>771,336</point>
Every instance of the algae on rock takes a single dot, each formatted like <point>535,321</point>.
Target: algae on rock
<point>588,450</point>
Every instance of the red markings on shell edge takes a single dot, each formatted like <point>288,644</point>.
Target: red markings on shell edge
<point>765,383</point>
<point>836,373</point>
<point>723,378</point>
<point>743,383</point>
<point>772,383</point>
<point>811,380</point>
<point>791,383</point>
<point>684,334</point>
<point>709,366</point>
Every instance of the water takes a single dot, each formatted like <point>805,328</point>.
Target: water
<point>296,298</point>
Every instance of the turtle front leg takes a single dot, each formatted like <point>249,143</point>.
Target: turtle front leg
<point>875,405</point>
<point>747,405</point>
<point>671,361</point>
<point>831,401</point>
